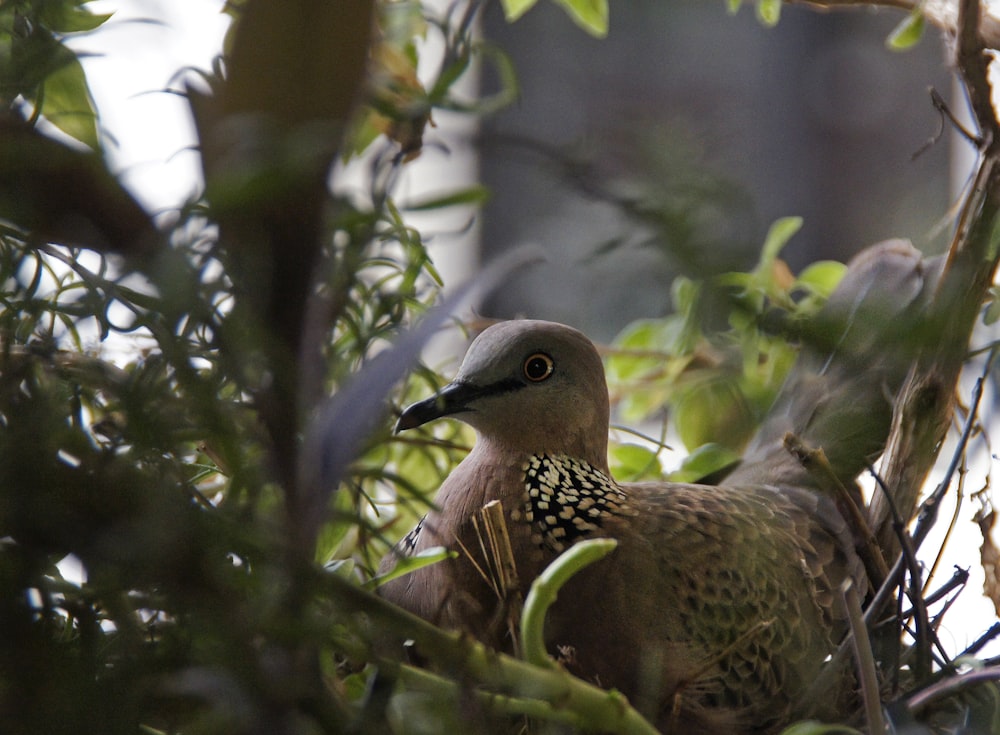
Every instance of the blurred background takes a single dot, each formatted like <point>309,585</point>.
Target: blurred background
<point>707,123</point>
<point>814,117</point>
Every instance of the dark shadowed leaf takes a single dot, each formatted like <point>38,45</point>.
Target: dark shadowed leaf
<point>68,196</point>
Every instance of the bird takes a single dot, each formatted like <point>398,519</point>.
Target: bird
<point>720,603</point>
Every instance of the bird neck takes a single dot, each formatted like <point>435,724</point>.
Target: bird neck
<point>559,498</point>
<point>581,447</point>
<point>566,500</point>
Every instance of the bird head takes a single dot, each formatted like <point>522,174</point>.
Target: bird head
<point>530,386</point>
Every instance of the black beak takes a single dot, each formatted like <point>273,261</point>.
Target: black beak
<point>456,397</point>
<point>453,398</point>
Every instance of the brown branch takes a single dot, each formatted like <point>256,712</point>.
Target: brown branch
<point>973,62</point>
<point>952,685</point>
<point>864,658</point>
<point>924,407</point>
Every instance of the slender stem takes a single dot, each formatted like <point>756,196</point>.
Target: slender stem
<point>545,589</point>
<point>952,685</point>
<point>865,659</point>
<point>595,709</point>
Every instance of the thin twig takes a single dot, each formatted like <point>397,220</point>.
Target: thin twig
<point>981,641</point>
<point>864,657</point>
<point>929,509</point>
<point>914,591</point>
<point>818,466</point>
<point>959,497</point>
<point>491,527</point>
<point>958,580</point>
<point>952,685</point>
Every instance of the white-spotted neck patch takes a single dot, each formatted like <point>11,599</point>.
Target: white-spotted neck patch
<point>566,500</point>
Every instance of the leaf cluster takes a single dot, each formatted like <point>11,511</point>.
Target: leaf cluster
<point>716,384</point>
<point>39,74</point>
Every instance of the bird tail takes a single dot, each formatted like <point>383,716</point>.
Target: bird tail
<point>855,356</point>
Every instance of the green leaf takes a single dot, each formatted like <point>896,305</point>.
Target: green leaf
<point>64,17</point>
<point>591,15</point>
<point>684,294</point>
<point>632,462</point>
<point>468,195</point>
<point>908,33</point>
<point>769,12</point>
<point>733,6</point>
<point>408,564</point>
<point>714,410</point>
<point>704,461</point>
<point>66,103</point>
<point>514,9</point>
<point>821,277</point>
<point>355,686</point>
<point>781,231</point>
<point>812,727</point>
<point>628,362</point>
<point>642,334</point>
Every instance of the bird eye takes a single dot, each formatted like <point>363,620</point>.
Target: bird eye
<point>538,367</point>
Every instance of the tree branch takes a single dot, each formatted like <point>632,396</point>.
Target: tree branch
<point>924,408</point>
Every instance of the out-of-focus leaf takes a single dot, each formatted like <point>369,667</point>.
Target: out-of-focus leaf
<point>591,15</point>
<point>68,196</point>
<point>703,462</point>
<point>821,277</point>
<point>355,686</point>
<point>629,360</point>
<point>714,410</point>
<point>684,294</point>
<point>66,103</point>
<point>514,9</point>
<point>469,195</point>
<point>400,106</point>
<point>423,713</point>
<point>407,564</point>
<point>781,231</point>
<point>64,17</point>
<point>631,462</point>
<point>769,12</point>
<point>421,471</point>
<point>812,727</point>
<point>267,142</point>
<point>908,33</point>
<point>332,534</point>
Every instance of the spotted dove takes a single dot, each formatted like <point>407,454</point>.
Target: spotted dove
<point>718,607</point>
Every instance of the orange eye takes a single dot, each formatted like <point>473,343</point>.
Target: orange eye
<point>538,367</point>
